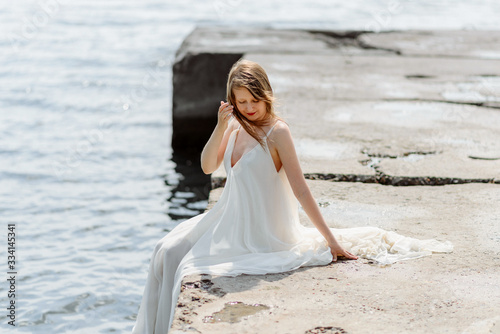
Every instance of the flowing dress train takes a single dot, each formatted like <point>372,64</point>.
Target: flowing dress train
<point>254,228</point>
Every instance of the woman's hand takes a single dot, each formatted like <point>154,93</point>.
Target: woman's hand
<point>213,152</point>
<point>224,114</point>
<point>283,142</point>
<point>338,251</point>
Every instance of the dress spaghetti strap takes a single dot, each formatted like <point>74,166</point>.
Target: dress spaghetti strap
<point>269,132</point>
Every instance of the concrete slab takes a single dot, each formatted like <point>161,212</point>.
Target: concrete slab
<point>440,43</point>
<point>387,115</point>
<point>394,108</point>
<point>342,112</point>
<point>450,293</point>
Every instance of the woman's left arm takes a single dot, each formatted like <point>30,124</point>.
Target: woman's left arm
<point>283,142</point>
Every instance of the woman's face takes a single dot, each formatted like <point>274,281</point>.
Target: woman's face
<point>251,108</point>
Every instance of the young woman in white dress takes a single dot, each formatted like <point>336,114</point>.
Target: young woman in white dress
<point>254,227</point>
<point>250,100</point>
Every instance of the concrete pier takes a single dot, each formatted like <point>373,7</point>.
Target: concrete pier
<point>399,130</point>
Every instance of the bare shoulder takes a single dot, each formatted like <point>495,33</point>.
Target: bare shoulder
<point>281,137</point>
<point>281,132</point>
<point>232,125</point>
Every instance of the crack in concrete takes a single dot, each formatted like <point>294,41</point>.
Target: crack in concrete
<point>390,180</point>
<point>419,76</point>
<point>385,179</point>
<point>334,39</point>
<point>204,285</point>
<point>234,312</point>
<point>405,154</point>
<point>382,178</point>
<point>375,158</point>
<point>482,158</point>
<point>484,104</point>
<point>326,330</point>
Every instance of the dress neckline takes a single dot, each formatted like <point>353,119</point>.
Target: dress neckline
<point>250,150</point>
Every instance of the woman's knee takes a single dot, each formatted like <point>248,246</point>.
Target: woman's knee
<point>173,250</point>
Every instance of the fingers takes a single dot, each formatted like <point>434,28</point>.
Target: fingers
<point>225,107</point>
<point>337,251</point>
<point>343,254</point>
<point>350,256</point>
<point>225,111</point>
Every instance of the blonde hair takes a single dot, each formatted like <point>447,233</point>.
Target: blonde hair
<point>250,75</point>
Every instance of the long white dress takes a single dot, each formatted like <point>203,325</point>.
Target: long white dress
<point>254,228</point>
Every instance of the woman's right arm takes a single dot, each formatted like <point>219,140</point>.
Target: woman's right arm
<point>213,152</point>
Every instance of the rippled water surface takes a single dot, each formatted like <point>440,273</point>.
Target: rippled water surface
<point>86,168</point>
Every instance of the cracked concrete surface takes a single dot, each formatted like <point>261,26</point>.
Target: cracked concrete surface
<point>375,112</point>
<point>443,293</point>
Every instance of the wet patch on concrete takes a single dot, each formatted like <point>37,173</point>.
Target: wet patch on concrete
<point>326,330</point>
<point>271,287</point>
<point>234,312</point>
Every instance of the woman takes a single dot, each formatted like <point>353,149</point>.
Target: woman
<point>254,228</point>
<point>251,101</point>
